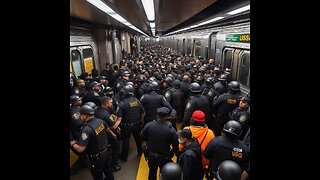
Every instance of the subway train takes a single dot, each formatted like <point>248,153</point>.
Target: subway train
<point>228,46</point>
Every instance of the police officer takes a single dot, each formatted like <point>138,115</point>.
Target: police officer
<point>197,101</point>
<point>242,115</point>
<point>80,89</point>
<point>227,147</point>
<point>113,121</point>
<point>75,122</point>
<point>93,94</point>
<point>225,104</point>
<point>141,86</point>
<point>94,143</point>
<point>120,83</point>
<point>221,86</point>
<point>173,95</point>
<point>75,128</point>
<point>190,158</point>
<point>209,91</point>
<point>229,170</point>
<point>171,171</point>
<point>152,101</point>
<point>132,113</point>
<point>156,131</point>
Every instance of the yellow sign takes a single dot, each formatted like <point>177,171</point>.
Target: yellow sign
<point>71,68</point>
<point>88,65</point>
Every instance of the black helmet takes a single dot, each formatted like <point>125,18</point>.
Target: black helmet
<point>169,80</point>
<point>233,127</point>
<point>125,73</point>
<point>171,171</point>
<point>85,109</point>
<point>128,89</point>
<point>142,78</point>
<point>229,170</point>
<point>94,83</point>
<point>154,86</point>
<point>234,85</point>
<point>209,80</point>
<point>177,83</point>
<point>195,87</point>
<point>170,75</point>
<point>91,104</point>
<point>151,79</point>
<point>74,98</point>
<point>130,83</point>
<point>202,69</point>
<point>223,77</point>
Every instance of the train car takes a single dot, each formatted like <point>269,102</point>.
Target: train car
<point>227,45</point>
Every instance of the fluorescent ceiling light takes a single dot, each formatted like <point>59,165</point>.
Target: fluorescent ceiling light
<point>105,8</point>
<point>152,25</point>
<point>239,10</point>
<point>210,21</point>
<point>149,9</point>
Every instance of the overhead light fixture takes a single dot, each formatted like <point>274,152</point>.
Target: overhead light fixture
<point>210,21</point>
<point>239,10</point>
<point>149,9</point>
<point>105,8</point>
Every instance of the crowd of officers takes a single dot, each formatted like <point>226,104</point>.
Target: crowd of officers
<point>146,95</point>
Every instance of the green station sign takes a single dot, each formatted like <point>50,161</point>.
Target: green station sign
<point>238,38</point>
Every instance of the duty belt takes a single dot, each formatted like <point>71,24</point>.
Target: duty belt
<point>98,155</point>
<point>157,155</point>
<point>130,124</point>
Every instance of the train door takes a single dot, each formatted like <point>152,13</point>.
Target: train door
<point>81,59</point>
<point>227,57</point>
<point>177,47</point>
<point>188,46</point>
<point>88,59</point>
<point>244,69</point>
<point>75,62</point>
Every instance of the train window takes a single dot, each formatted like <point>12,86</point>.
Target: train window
<point>244,68</point>
<point>188,46</point>
<point>212,45</point>
<point>228,55</point>
<point>76,63</point>
<point>88,60</point>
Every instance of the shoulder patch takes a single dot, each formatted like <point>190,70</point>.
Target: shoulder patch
<point>242,118</point>
<point>118,85</point>
<point>113,117</point>
<point>209,93</point>
<point>188,105</point>
<point>95,94</point>
<point>84,136</point>
<point>167,94</point>
<point>76,91</point>
<point>76,115</point>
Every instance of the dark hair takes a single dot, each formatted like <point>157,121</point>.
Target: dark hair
<point>105,99</point>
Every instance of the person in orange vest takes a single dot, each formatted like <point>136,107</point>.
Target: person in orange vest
<point>202,133</point>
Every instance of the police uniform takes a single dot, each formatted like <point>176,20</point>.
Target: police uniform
<point>223,148</point>
<point>94,137</point>
<point>196,102</point>
<point>174,98</point>
<point>130,109</point>
<point>159,153</point>
<point>222,106</point>
<point>92,96</point>
<point>75,122</point>
<point>79,91</point>
<point>243,117</point>
<point>151,102</point>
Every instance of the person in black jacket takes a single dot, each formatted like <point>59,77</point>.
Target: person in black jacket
<point>190,158</point>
